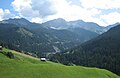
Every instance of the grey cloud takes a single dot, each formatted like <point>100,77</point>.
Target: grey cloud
<point>45,7</point>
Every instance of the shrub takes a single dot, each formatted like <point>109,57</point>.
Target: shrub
<point>10,55</point>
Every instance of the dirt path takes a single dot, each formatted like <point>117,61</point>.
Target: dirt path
<point>25,55</point>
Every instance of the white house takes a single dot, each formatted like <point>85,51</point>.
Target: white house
<point>43,59</point>
<point>0,47</point>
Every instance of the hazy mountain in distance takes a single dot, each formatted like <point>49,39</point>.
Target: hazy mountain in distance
<point>21,22</point>
<point>110,26</point>
<point>63,24</point>
<point>60,24</point>
<point>56,24</point>
<point>87,25</point>
<point>17,21</point>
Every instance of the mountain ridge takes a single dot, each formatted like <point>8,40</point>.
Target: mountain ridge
<point>60,23</point>
<point>42,38</point>
<point>91,26</point>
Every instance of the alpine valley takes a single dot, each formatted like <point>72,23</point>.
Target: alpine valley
<point>68,42</point>
<point>52,36</point>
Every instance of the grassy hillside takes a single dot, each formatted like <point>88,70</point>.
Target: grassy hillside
<point>24,66</point>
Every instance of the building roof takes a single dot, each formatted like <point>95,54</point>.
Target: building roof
<point>43,58</point>
<point>0,46</point>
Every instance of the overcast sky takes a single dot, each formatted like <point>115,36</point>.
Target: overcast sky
<point>103,12</point>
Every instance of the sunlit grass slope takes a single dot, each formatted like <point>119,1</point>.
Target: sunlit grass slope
<point>24,66</point>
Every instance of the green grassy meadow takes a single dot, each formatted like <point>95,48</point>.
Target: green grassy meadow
<point>24,66</point>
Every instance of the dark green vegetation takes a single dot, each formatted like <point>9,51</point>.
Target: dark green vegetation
<point>24,66</point>
<point>101,52</point>
<point>57,36</point>
<point>22,35</point>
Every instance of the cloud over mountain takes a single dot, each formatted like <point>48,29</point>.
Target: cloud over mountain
<point>5,14</point>
<point>33,8</point>
<point>98,11</point>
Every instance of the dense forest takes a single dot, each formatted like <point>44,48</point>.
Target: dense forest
<point>102,52</point>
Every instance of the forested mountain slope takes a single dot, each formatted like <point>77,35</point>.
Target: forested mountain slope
<point>102,52</point>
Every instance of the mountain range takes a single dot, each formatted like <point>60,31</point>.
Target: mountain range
<point>63,24</point>
<point>73,42</point>
<point>40,38</point>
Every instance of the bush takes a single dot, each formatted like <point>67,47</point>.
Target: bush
<point>10,55</point>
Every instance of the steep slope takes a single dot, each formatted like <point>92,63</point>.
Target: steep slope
<point>110,26</point>
<point>21,22</point>
<point>19,36</point>
<point>66,39</point>
<point>39,38</point>
<point>62,24</point>
<point>84,34</point>
<point>102,52</point>
<point>56,24</point>
<point>24,66</point>
<point>88,26</point>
